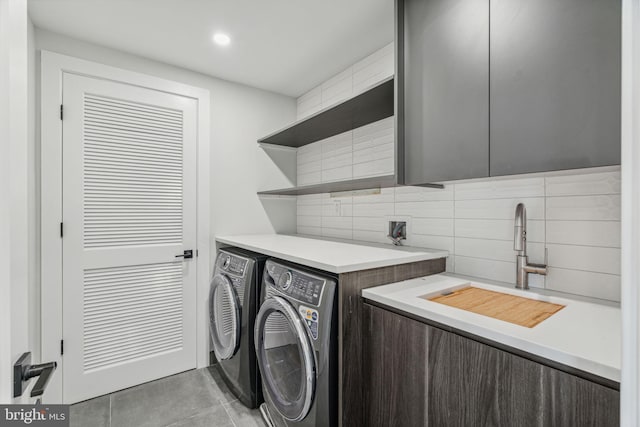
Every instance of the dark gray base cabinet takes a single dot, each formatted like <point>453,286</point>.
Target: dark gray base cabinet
<point>419,375</point>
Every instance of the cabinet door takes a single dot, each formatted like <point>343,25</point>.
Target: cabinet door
<point>473,384</point>
<point>443,89</point>
<point>462,381</point>
<point>555,85</point>
<point>395,369</point>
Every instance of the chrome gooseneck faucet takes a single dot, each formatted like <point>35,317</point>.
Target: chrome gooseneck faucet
<point>523,268</point>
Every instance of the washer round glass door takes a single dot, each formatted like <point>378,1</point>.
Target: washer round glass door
<point>285,357</point>
<point>224,317</point>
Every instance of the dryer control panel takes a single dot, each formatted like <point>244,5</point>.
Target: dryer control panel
<point>299,285</point>
<point>232,264</point>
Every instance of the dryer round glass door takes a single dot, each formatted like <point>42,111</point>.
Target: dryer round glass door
<point>286,359</point>
<point>224,317</point>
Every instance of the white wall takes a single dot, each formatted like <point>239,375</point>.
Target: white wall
<point>576,217</point>
<point>630,384</point>
<point>5,211</point>
<point>239,166</point>
<point>14,319</point>
<point>33,198</point>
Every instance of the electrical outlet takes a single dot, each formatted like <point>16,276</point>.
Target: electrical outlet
<point>337,207</point>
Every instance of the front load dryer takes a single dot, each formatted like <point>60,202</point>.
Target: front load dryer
<point>233,304</point>
<point>296,343</point>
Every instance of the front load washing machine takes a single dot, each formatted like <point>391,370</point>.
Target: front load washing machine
<point>233,304</point>
<point>296,343</point>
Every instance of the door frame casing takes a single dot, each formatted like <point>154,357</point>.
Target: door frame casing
<point>53,68</point>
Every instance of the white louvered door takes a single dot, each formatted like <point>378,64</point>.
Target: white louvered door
<point>129,207</point>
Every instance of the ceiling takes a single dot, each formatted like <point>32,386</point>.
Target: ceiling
<point>285,46</point>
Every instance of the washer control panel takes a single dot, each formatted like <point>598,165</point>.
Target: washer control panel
<point>232,264</point>
<point>296,284</point>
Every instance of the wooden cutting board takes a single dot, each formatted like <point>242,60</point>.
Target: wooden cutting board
<point>509,308</point>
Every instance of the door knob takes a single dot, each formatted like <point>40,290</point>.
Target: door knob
<point>186,255</point>
<point>23,371</point>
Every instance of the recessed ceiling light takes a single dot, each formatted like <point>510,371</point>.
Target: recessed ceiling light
<point>221,39</point>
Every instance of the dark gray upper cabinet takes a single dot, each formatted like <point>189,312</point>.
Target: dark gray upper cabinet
<point>443,88</point>
<point>555,84</point>
<point>505,87</point>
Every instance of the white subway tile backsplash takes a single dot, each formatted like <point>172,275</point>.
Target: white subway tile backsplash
<point>385,195</point>
<point>309,165</point>
<point>342,222</point>
<point>420,194</point>
<point>337,152</point>
<point>337,207</point>
<point>432,242</point>
<point>309,210</point>
<point>499,208</point>
<point>373,163</point>
<point>374,168</point>
<point>596,285</point>
<point>337,145</point>
<point>338,233</point>
<point>486,269</point>
<point>499,250</point>
<point>337,174</point>
<point>311,231</point>
<point>594,208</point>
<point>432,226</point>
<point>585,258</point>
<point>367,223</point>
<point>501,189</point>
<point>376,133</point>
<point>309,199</point>
<point>584,233</point>
<point>337,158</point>
<point>338,88</point>
<point>309,103</point>
<point>588,184</point>
<point>373,209</point>
<point>369,236</point>
<point>309,178</point>
<point>309,221</point>
<point>311,153</point>
<point>498,229</point>
<point>581,232</point>
<point>427,209</point>
<point>374,68</point>
<point>373,153</point>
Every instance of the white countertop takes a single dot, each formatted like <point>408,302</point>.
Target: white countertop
<point>330,255</point>
<point>583,335</point>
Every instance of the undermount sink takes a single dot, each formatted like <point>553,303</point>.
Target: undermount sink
<point>519,310</point>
